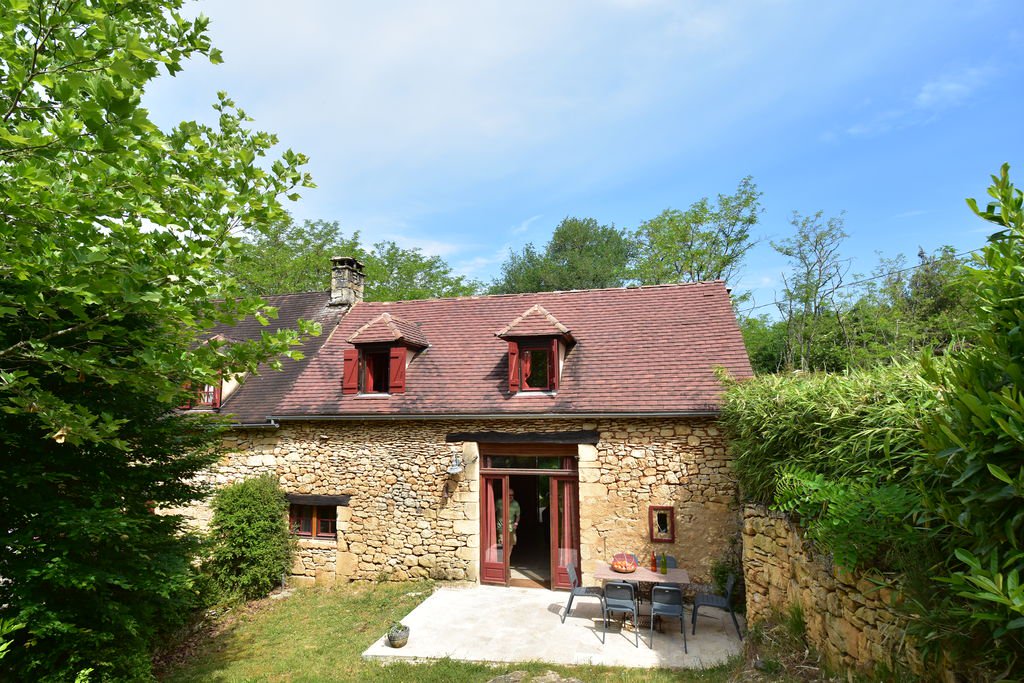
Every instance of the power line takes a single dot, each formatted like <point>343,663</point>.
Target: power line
<point>867,279</point>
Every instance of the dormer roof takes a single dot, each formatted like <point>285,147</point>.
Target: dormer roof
<point>387,329</point>
<point>536,321</point>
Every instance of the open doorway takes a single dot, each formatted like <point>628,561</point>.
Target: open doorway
<point>529,522</point>
<point>530,559</point>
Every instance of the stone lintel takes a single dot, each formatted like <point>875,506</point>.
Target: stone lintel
<point>577,437</point>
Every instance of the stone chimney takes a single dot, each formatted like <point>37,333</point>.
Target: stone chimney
<point>346,281</point>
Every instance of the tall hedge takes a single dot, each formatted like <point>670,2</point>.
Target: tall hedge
<point>863,422</point>
<point>252,546</point>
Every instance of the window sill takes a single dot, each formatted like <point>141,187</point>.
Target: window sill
<point>372,396</point>
<point>313,540</point>
<point>536,393</point>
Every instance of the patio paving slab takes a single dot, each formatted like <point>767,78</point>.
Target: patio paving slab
<point>501,625</point>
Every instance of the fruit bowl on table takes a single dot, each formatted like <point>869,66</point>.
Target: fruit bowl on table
<point>623,564</point>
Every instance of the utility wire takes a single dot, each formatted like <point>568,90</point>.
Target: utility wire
<point>867,279</point>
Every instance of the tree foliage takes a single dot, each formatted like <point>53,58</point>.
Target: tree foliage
<point>396,274</point>
<point>582,254</point>
<point>251,543</point>
<point>809,294</point>
<point>115,237</point>
<point>888,317</point>
<point>705,242</point>
<point>285,257</point>
<point>972,480</point>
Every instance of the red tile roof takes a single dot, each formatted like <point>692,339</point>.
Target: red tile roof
<point>535,322</point>
<point>260,393</point>
<point>387,328</point>
<point>642,350</point>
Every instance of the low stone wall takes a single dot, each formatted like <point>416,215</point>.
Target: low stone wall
<point>849,618</point>
<point>408,519</point>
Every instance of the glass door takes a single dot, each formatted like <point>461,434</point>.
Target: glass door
<point>494,529</point>
<point>565,528</point>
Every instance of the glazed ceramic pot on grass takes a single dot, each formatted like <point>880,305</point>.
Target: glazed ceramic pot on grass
<point>398,635</point>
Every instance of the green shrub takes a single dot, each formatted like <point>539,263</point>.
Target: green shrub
<point>972,479</point>
<point>731,563</point>
<point>862,522</point>
<point>251,545</point>
<point>91,573</point>
<point>857,424</point>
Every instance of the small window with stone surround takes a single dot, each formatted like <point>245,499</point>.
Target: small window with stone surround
<point>313,521</point>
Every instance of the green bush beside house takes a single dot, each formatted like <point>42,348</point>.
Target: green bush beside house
<point>251,547</point>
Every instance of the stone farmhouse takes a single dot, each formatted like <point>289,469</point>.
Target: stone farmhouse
<point>493,438</point>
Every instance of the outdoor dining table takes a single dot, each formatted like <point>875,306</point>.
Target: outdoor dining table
<point>604,572</point>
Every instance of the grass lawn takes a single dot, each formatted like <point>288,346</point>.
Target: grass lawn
<point>319,635</point>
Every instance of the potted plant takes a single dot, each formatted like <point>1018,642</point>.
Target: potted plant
<point>398,634</point>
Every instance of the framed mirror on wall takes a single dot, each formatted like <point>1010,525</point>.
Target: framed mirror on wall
<point>662,522</point>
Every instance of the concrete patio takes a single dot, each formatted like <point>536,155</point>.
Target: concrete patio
<point>495,624</point>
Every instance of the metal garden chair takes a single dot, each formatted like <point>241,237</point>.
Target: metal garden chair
<point>667,601</point>
<point>719,601</point>
<point>619,596</point>
<point>578,591</point>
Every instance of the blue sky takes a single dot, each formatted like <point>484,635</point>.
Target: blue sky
<point>469,128</point>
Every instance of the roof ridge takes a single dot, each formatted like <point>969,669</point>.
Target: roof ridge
<point>625,288</point>
<point>538,309</point>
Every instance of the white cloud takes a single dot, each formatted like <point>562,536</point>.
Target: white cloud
<point>428,246</point>
<point>524,225</point>
<point>482,266</point>
<point>951,90</point>
<point>945,92</point>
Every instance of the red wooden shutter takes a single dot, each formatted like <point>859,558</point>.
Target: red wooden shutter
<point>187,405</point>
<point>218,389</point>
<point>350,372</point>
<point>513,366</point>
<point>553,366</point>
<point>396,383</point>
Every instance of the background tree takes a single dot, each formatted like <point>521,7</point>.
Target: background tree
<point>810,292</point>
<point>284,258</point>
<point>116,235</point>
<point>765,340</point>
<point>582,254</point>
<point>705,242</point>
<point>902,310</point>
<point>888,317</point>
<point>396,274</point>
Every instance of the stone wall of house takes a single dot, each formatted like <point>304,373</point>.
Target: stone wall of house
<point>639,463</point>
<point>407,518</point>
<point>850,619</point>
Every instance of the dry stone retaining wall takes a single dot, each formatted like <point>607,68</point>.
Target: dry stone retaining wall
<point>407,518</point>
<point>849,618</point>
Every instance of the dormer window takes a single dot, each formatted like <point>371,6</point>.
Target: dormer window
<point>537,344</point>
<point>208,397</point>
<point>374,370</point>
<point>383,348</point>
<point>375,373</point>
<point>537,365</point>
